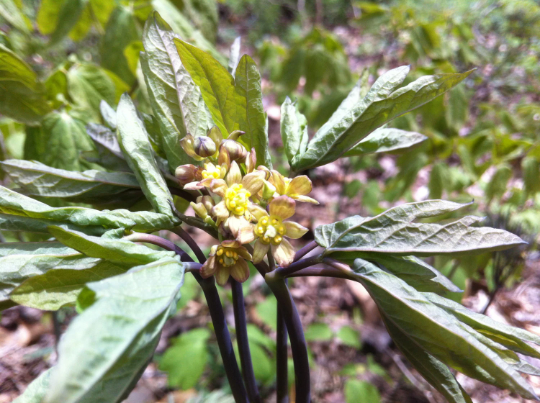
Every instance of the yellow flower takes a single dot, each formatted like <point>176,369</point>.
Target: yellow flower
<point>233,209</point>
<point>271,230</point>
<point>208,174</point>
<point>296,188</point>
<point>227,259</point>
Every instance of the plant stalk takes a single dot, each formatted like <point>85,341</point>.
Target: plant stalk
<point>305,250</point>
<point>184,235</point>
<point>243,342</point>
<point>296,335</point>
<point>283,272</point>
<point>282,375</point>
<point>211,294</point>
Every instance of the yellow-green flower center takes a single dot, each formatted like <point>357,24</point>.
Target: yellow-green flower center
<point>237,199</point>
<point>270,230</point>
<point>211,171</point>
<point>227,256</point>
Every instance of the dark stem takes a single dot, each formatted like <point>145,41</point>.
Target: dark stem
<point>282,370</point>
<point>183,194</point>
<point>183,234</point>
<point>321,272</point>
<point>296,335</point>
<point>283,272</point>
<point>211,294</point>
<point>305,250</point>
<point>242,341</point>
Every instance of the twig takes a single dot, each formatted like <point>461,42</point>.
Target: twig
<point>283,272</point>
<point>243,341</point>
<point>183,194</point>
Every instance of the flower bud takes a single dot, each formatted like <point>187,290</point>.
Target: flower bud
<point>215,134</point>
<point>187,173</point>
<point>237,152</point>
<point>268,190</point>
<point>208,202</point>
<point>204,146</point>
<point>200,210</point>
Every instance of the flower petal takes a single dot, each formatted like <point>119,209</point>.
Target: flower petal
<point>187,143</point>
<point>240,271</point>
<point>193,186</point>
<point>259,251</point>
<point>246,235</point>
<point>219,187</point>
<point>279,182</point>
<point>253,182</point>
<point>236,224</point>
<point>283,253</point>
<point>222,275</point>
<point>224,159</point>
<point>220,211</point>
<point>234,175</point>
<point>294,230</point>
<point>209,267</point>
<point>301,185</point>
<point>305,199</point>
<point>243,252</point>
<point>282,207</point>
<point>215,134</point>
<point>257,211</point>
<point>251,160</point>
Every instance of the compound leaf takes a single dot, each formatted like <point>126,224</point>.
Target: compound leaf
<point>357,117</point>
<point>384,140</point>
<point>394,232</point>
<point>294,131</point>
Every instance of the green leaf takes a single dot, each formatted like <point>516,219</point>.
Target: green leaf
<point>294,131</point>
<point>105,349</point>
<point>361,391</point>
<point>108,148</point>
<point>132,53</point>
<point>190,348</point>
<point>83,25</point>
<point>318,332</point>
<point>35,392</point>
<point>412,270</point>
<point>228,109</point>
<point>234,56</point>
<point>437,332</point>
<point>16,268</point>
<point>121,30</point>
<point>394,232</point>
<point>115,250</point>
<point>18,223</point>
<point>350,337</point>
<point>58,142</point>
<point>267,311</point>
<point>23,98</point>
<point>263,365</point>
<point>56,88</point>
<point>357,117</point>
<point>88,85</point>
<point>509,336</point>
<point>109,116</point>
<point>37,179</point>
<point>248,86</point>
<point>435,372</point>
<point>13,15</point>
<point>384,140</point>
<point>176,100</point>
<point>497,185</point>
<point>438,177</point>
<point>16,204</point>
<point>67,17</point>
<point>137,150</point>
<point>57,288</point>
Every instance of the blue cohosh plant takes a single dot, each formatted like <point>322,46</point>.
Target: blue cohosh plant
<point>207,143</point>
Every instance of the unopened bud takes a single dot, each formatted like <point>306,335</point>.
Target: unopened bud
<point>204,146</point>
<point>208,202</point>
<point>188,145</point>
<point>215,134</point>
<point>268,190</point>
<point>187,173</point>
<point>199,209</point>
<point>237,152</point>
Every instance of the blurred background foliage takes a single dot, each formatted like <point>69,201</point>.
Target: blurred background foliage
<point>66,56</point>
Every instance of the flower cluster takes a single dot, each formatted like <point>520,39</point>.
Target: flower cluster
<point>247,203</point>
